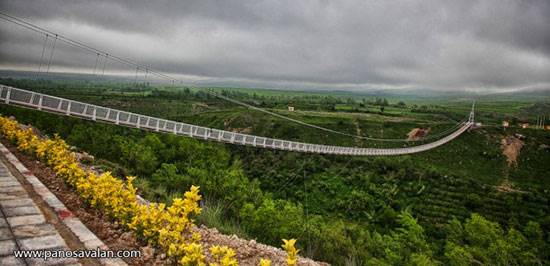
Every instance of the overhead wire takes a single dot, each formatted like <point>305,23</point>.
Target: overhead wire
<point>171,79</point>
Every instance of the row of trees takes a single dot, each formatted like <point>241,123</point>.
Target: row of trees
<point>359,211</point>
<point>168,164</point>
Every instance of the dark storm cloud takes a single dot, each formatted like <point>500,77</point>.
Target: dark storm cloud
<point>446,45</point>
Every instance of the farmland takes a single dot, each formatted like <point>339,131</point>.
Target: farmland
<point>338,207</point>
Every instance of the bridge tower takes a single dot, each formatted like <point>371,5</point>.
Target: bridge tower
<point>472,113</point>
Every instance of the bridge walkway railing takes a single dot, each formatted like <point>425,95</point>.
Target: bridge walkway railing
<point>43,102</point>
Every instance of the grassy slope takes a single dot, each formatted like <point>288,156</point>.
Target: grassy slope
<point>471,166</point>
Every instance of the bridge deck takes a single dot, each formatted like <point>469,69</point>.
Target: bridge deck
<point>47,103</point>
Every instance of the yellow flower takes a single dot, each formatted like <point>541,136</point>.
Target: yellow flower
<point>265,262</point>
<point>291,251</point>
<point>223,256</point>
<point>193,255</point>
<point>170,228</point>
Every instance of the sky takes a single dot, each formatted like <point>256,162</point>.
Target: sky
<point>484,46</point>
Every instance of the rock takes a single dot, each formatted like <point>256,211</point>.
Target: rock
<point>127,236</point>
<point>84,158</point>
<point>147,252</point>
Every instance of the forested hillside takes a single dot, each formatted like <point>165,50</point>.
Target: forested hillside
<point>463,203</point>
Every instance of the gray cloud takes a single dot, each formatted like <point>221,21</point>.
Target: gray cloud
<point>445,45</point>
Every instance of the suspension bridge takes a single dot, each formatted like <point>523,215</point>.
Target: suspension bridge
<point>49,103</point>
<point>43,102</point>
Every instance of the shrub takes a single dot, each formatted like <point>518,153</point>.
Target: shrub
<point>169,228</point>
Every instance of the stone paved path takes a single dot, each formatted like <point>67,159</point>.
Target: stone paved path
<point>23,226</point>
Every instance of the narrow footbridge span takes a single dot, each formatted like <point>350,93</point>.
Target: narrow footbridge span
<point>38,101</point>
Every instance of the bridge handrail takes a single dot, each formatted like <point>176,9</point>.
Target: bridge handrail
<point>44,102</point>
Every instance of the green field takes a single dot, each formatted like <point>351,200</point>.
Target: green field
<point>344,210</point>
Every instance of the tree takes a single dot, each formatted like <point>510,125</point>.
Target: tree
<point>139,157</point>
<point>407,245</point>
<point>168,177</point>
<point>481,241</point>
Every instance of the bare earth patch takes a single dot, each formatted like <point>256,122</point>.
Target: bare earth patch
<point>418,133</point>
<point>511,147</point>
<point>200,107</point>
<point>227,126</point>
<point>243,130</point>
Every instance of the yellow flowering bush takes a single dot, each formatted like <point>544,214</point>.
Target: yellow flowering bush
<point>223,256</point>
<point>9,128</point>
<point>169,228</point>
<point>265,262</point>
<point>291,251</point>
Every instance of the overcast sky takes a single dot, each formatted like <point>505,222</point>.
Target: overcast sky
<point>442,45</point>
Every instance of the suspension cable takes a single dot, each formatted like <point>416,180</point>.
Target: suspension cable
<point>172,80</point>
<point>51,53</point>
<point>104,63</point>
<point>96,60</point>
<point>43,50</point>
<point>135,77</point>
<point>304,123</point>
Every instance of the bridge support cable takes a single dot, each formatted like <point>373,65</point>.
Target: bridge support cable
<point>43,50</point>
<point>307,228</point>
<point>307,124</point>
<point>135,77</point>
<point>104,64</point>
<point>173,80</point>
<point>472,113</point>
<point>51,54</point>
<point>96,61</point>
<point>48,103</point>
